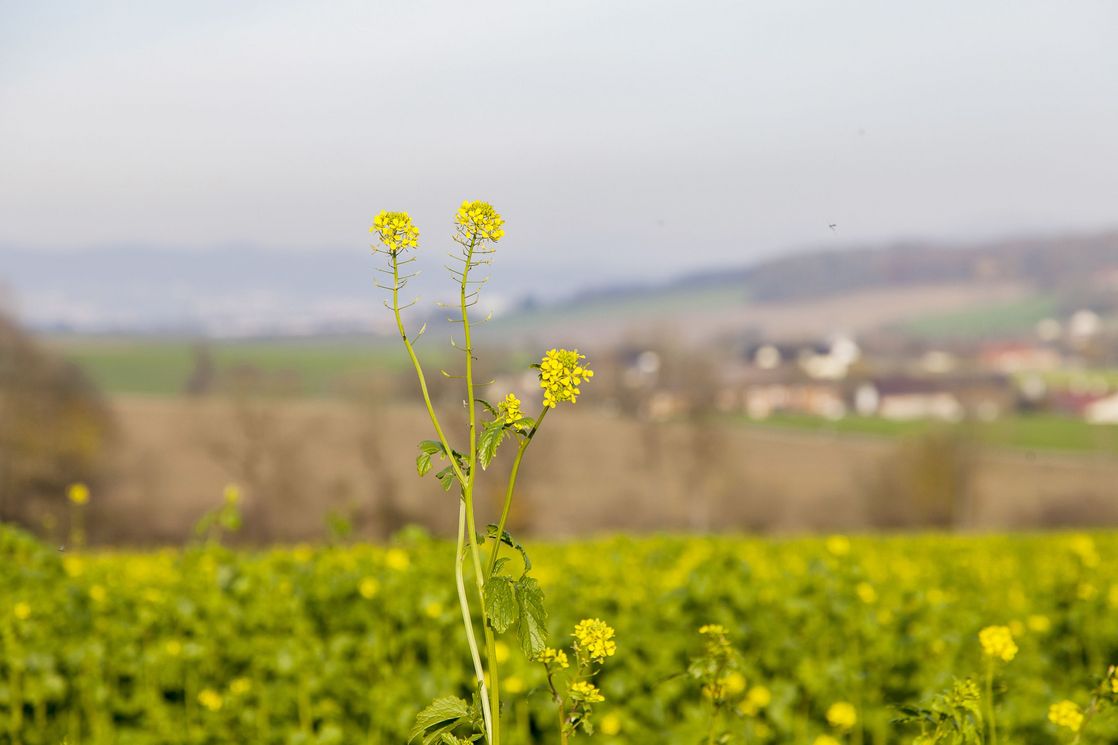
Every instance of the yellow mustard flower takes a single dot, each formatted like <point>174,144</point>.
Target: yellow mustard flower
<point>553,656</point>
<point>232,494</point>
<point>396,231</point>
<point>561,373</point>
<point>713,629</point>
<point>210,699</point>
<point>368,587</point>
<point>586,692</point>
<point>838,545</point>
<point>396,559</point>
<point>22,611</point>
<point>509,410</point>
<point>514,684</point>
<point>842,715</point>
<point>610,724</point>
<point>478,220</point>
<point>1066,714</point>
<point>78,493</point>
<point>997,642</point>
<point>98,594</point>
<point>866,593</point>
<point>240,686</point>
<point>825,740</point>
<point>594,637</point>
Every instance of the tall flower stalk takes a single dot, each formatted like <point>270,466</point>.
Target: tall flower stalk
<point>503,601</point>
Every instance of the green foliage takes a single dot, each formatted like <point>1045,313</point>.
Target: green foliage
<point>436,723</point>
<point>311,645</point>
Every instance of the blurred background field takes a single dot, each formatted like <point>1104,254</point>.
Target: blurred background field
<point>336,644</point>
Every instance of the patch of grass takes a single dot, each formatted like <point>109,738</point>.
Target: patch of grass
<point>990,320</point>
<point>1035,432</point>
<point>163,366</point>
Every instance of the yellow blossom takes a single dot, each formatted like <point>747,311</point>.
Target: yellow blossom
<point>758,698</point>
<point>210,699</point>
<point>509,409</point>
<point>556,656</point>
<point>173,648</point>
<point>396,559</point>
<point>838,545</point>
<point>997,642</point>
<point>713,629</point>
<point>560,376</point>
<point>22,611</point>
<point>842,715</point>
<point>478,221</point>
<point>610,724</point>
<point>78,493</point>
<point>97,594</point>
<point>513,684</point>
<point>595,637</point>
<point>368,587</point>
<point>501,652</point>
<point>825,740</point>
<point>232,494</point>
<point>240,686</point>
<point>1066,714</point>
<point>586,692</point>
<point>866,593</point>
<point>396,231</point>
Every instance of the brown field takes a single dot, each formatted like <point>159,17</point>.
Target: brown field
<point>299,461</point>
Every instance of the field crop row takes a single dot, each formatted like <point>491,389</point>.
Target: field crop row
<point>346,644</point>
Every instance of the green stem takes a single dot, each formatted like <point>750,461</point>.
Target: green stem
<point>467,620</point>
<point>509,491</point>
<point>465,513</point>
<point>475,552</point>
<point>419,368</point>
<point>990,703</point>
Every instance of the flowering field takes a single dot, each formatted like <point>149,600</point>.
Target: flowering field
<point>830,640</point>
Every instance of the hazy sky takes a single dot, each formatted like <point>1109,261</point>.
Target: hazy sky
<point>611,134</point>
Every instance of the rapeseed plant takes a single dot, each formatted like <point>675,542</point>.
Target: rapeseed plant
<point>503,599</point>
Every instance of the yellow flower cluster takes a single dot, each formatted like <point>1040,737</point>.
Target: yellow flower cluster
<point>210,699</point>
<point>478,220</point>
<point>22,611</point>
<point>997,642</point>
<point>396,231</point>
<point>586,692</point>
<point>842,715</point>
<point>561,374</point>
<point>78,494</point>
<point>713,628</point>
<point>551,656</point>
<point>594,637</point>
<point>758,698</point>
<point>1066,714</point>
<point>509,409</point>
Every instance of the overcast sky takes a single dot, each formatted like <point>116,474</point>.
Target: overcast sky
<point>610,134</point>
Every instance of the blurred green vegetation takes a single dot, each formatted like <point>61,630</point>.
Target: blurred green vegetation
<point>345,644</point>
<point>985,321</point>
<point>164,366</point>
<point>1026,432</point>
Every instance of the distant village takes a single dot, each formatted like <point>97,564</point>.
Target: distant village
<point>1066,367</point>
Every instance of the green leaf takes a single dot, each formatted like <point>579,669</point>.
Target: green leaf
<point>532,628</point>
<point>500,603</point>
<point>488,407</point>
<point>431,447</point>
<point>490,438</point>
<point>446,477</point>
<point>507,539</point>
<point>423,463</point>
<point>440,712</point>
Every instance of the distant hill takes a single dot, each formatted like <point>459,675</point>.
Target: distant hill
<point>253,292</point>
<point>1053,263</point>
